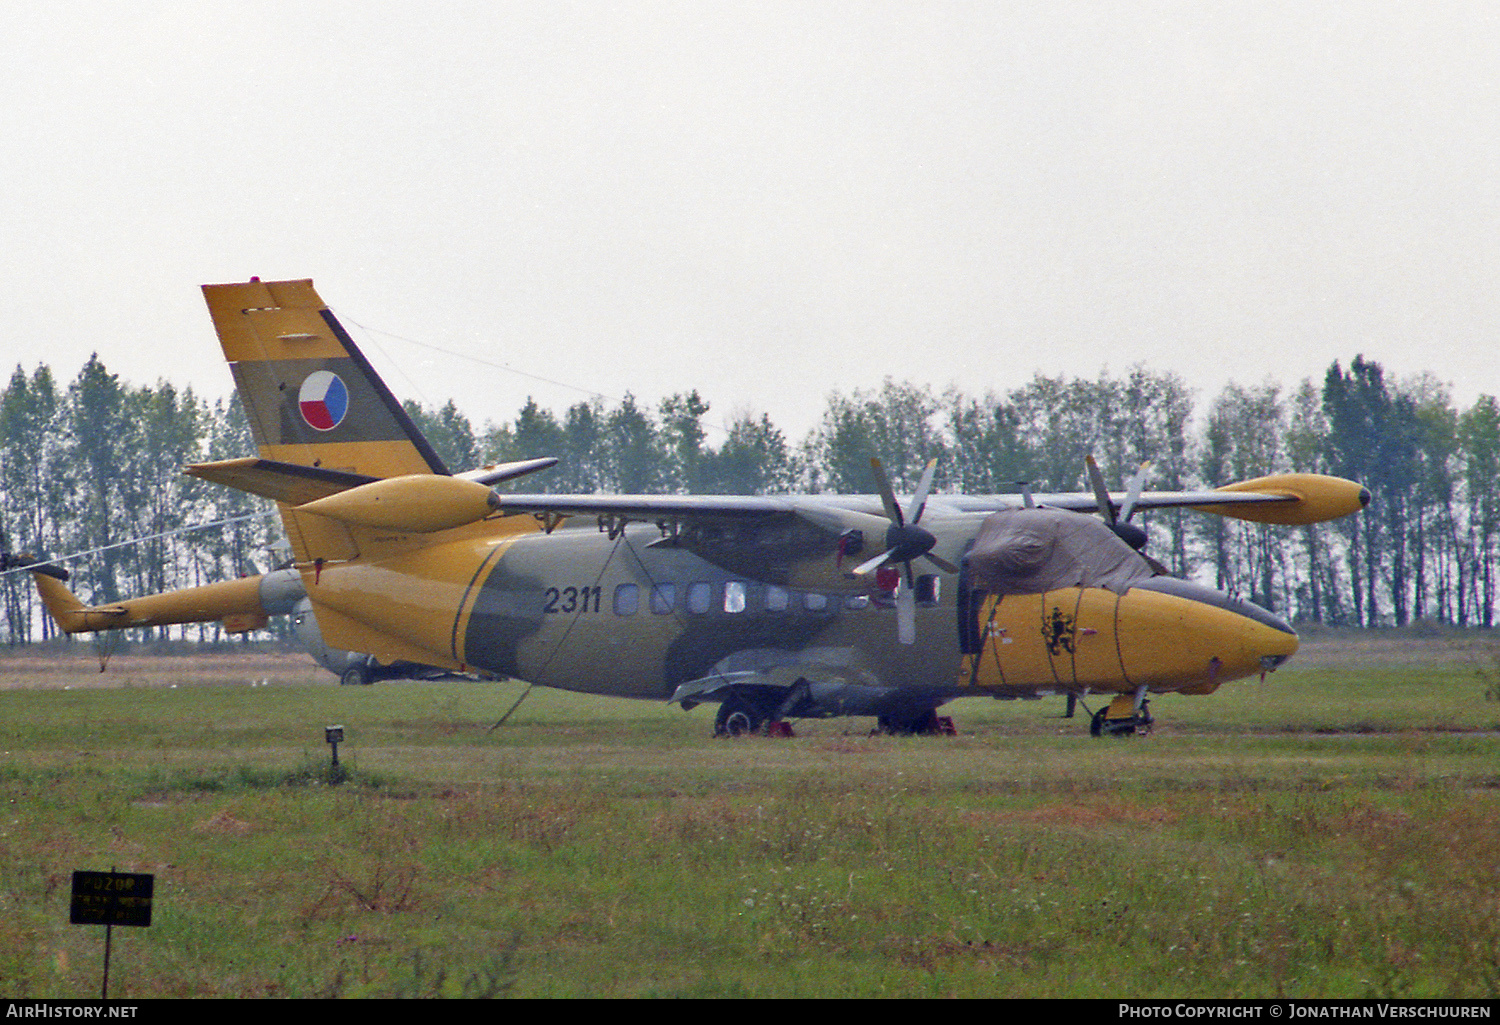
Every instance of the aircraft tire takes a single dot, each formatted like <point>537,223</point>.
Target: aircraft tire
<point>355,676</point>
<point>737,717</point>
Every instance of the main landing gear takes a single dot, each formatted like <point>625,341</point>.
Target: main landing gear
<point>1125,716</point>
<point>749,711</point>
<point>739,715</point>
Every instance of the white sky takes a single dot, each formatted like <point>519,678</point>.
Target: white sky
<point>764,200</point>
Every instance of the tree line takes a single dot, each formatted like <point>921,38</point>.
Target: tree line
<point>94,466</point>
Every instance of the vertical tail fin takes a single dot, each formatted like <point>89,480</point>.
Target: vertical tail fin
<point>64,608</point>
<point>312,399</point>
<point>311,396</point>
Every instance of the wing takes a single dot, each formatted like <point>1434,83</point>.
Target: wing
<point>650,508</point>
<point>1287,498</point>
<point>674,515</point>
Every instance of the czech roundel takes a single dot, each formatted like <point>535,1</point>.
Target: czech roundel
<point>323,400</point>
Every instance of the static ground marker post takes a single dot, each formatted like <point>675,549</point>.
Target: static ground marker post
<point>110,899</point>
<point>334,734</point>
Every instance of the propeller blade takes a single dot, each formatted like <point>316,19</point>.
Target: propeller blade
<point>1136,484</point>
<point>1101,493</point>
<point>887,496</point>
<point>906,615</point>
<point>919,500</point>
<point>1156,567</point>
<point>940,562</point>
<point>905,541</point>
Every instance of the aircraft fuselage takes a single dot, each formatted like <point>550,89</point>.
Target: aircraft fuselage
<point>623,616</point>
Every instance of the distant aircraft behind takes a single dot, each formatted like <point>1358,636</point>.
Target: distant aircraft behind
<point>772,607</point>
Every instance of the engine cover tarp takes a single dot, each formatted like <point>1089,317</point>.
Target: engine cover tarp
<point>1029,551</point>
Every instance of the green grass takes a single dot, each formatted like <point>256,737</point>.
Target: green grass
<point>600,848</point>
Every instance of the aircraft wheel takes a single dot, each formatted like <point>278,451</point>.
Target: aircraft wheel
<point>1096,724</point>
<point>737,717</point>
<point>355,676</point>
<point>737,724</point>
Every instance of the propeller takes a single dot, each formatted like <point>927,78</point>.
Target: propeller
<point>904,542</point>
<point>1128,532</point>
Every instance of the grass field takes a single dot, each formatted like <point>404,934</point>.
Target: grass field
<point>1333,831</point>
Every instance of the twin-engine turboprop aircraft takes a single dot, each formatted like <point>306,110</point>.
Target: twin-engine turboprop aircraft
<point>773,607</point>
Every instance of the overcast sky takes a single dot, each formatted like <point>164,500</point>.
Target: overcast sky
<point>765,201</point>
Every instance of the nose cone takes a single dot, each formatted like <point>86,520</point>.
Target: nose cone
<point>1177,635</point>
<point>1276,646</point>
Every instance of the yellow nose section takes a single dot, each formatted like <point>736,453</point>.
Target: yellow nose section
<point>1176,635</point>
<point>1164,633</point>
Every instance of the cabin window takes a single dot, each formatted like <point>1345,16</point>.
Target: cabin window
<point>857,601</point>
<point>734,596</point>
<point>699,596</point>
<point>627,599</point>
<point>814,602</point>
<point>776,598</point>
<point>663,598</point>
<point>927,589</point>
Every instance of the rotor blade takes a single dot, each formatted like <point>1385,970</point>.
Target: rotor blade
<point>919,500</point>
<point>873,564</point>
<point>883,485</point>
<point>1101,493</point>
<point>906,615</point>
<point>1136,484</point>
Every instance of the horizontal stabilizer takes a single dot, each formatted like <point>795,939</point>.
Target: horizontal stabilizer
<point>291,483</point>
<point>489,476</point>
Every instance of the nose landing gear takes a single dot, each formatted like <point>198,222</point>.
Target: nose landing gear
<point>1125,716</point>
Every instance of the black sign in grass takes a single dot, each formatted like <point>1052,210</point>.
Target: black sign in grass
<point>111,898</point>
